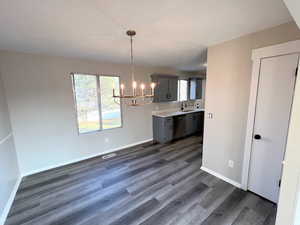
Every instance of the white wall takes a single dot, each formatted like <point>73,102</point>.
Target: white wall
<point>289,199</point>
<point>41,106</point>
<point>9,171</point>
<point>227,97</point>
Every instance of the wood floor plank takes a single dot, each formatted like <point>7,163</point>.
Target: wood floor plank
<point>189,216</point>
<point>108,216</point>
<point>249,217</point>
<point>164,216</point>
<point>271,218</point>
<point>136,213</point>
<point>148,184</point>
<point>223,211</point>
<point>216,192</point>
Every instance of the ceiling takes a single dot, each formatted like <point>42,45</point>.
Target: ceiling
<point>171,33</point>
<point>294,8</point>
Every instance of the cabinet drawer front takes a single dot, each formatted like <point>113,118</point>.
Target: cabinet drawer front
<point>168,122</point>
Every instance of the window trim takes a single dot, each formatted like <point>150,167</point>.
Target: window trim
<point>99,101</point>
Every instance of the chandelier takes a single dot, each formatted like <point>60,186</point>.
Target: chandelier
<point>137,96</point>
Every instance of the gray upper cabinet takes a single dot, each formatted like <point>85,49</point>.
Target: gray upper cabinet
<point>166,87</point>
<point>195,88</point>
<point>173,89</point>
<point>161,92</point>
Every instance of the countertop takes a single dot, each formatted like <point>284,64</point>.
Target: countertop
<point>176,113</point>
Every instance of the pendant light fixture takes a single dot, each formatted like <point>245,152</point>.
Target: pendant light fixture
<point>137,96</point>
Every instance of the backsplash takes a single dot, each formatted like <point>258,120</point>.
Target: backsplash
<point>175,106</point>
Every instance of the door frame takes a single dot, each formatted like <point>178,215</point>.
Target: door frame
<point>292,47</point>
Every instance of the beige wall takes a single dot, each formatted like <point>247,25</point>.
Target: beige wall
<point>9,171</point>
<point>227,97</point>
<point>41,106</point>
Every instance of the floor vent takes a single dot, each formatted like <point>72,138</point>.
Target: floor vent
<point>109,156</point>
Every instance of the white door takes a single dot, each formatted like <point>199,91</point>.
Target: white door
<point>273,106</point>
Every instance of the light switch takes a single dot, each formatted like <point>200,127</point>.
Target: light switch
<point>210,115</point>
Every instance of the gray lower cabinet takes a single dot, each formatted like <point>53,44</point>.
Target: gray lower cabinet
<point>162,129</point>
<point>194,123</point>
<point>166,129</point>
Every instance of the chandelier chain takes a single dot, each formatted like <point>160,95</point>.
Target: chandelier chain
<point>132,59</point>
<point>136,98</point>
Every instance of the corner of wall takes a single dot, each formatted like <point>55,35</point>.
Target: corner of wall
<point>10,201</point>
<point>218,175</point>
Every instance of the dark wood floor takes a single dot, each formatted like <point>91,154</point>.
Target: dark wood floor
<point>147,184</point>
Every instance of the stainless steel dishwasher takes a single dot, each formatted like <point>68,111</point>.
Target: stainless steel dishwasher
<point>179,126</point>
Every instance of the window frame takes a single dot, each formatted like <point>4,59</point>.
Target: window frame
<point>187,90</point>
<point>99,101</point>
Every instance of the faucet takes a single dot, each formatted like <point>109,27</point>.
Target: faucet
<point>183,105</point>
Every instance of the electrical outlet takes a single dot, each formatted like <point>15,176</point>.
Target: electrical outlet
<point>231,163</point>
<point>210,115</point>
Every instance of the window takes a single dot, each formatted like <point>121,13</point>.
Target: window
<point>96,108</point>
<point>193,88</point>
<point>182,90</point>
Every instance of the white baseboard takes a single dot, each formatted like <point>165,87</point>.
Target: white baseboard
<point>84,158</point>
<point>234,183</point>
<point>10,201</point>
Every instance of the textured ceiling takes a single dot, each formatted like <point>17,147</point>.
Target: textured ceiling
<point>170,33</point>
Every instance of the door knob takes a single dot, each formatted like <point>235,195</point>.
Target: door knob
<point>257,137</point>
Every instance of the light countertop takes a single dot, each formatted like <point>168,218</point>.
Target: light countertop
<point>176,113</point>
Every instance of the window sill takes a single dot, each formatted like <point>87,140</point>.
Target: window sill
<point>97,131</point>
